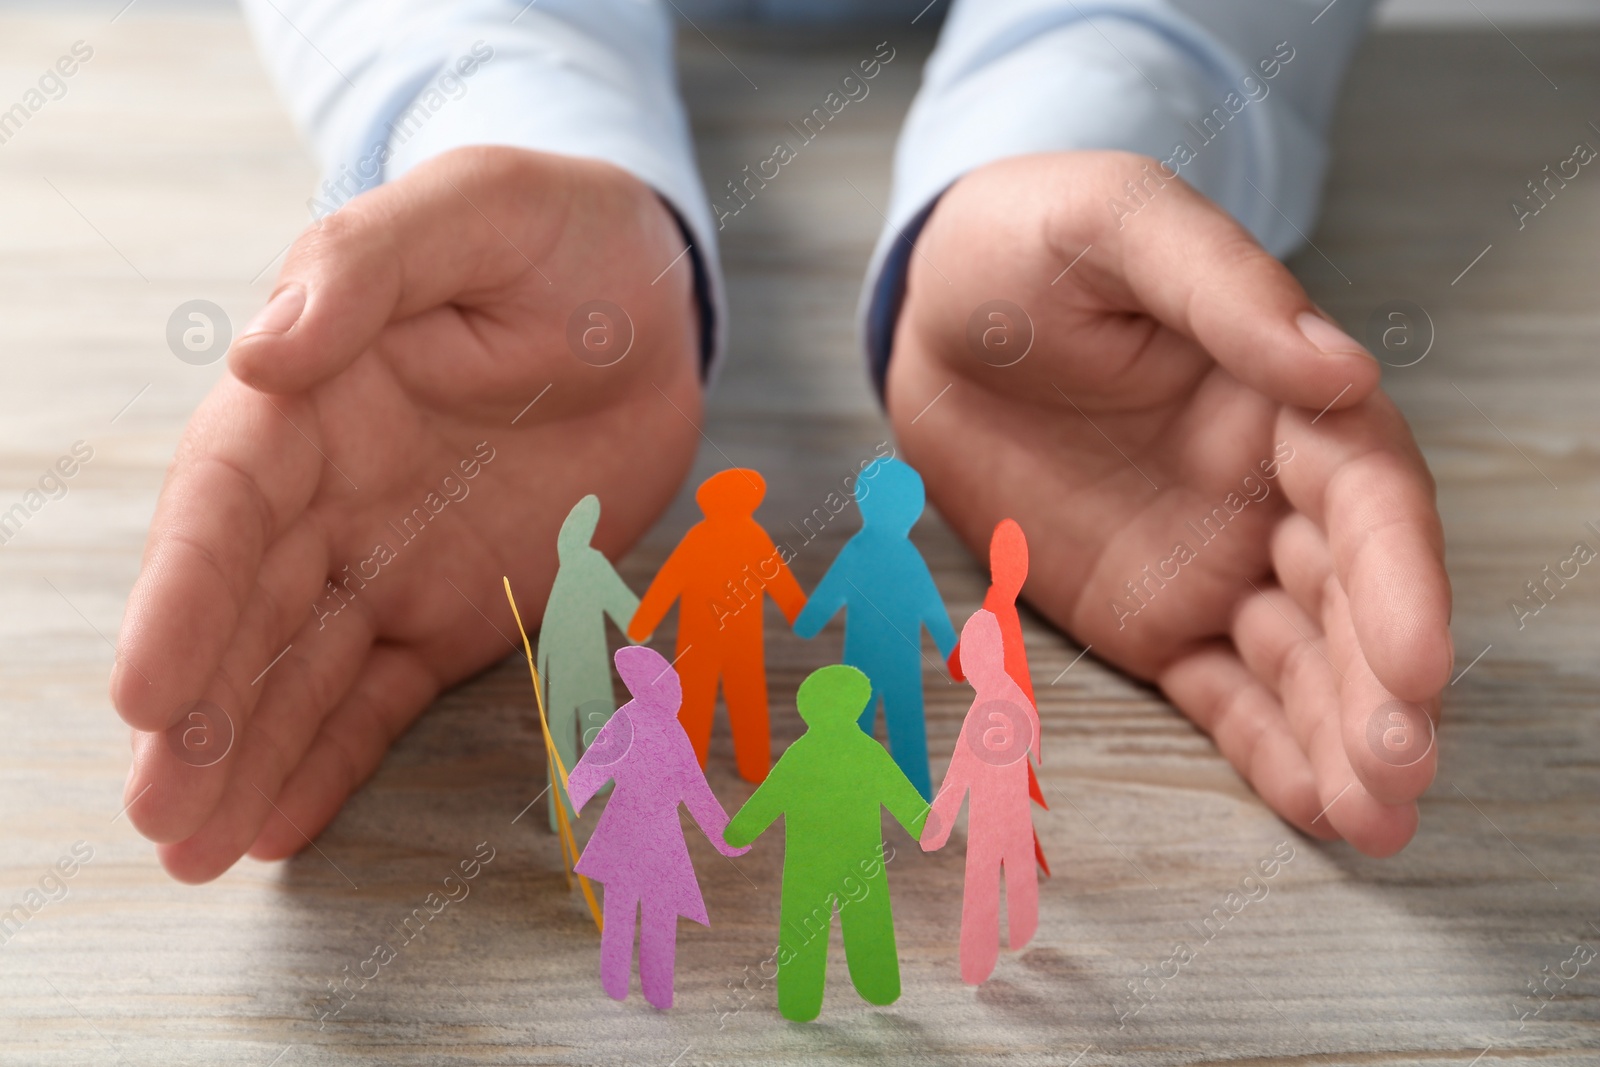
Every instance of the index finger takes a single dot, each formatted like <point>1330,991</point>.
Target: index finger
<point>243,472</point>
<point>1358,475</point>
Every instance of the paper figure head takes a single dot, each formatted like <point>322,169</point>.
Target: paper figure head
<point>890,495</point>
<point>1008,558</point>
<point>983,655</point>
<point>578,527</point>
<point>734,492</point>
<point>833,695</point>
<point>650,678</point>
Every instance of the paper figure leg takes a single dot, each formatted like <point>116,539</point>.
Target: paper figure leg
<point>901,687</point>
<point>616,943</point>
<point>658,946</point>
<point>868,928</point>
<point>697,672</point>
<point>807,919</point>
<point>980,916</point>
<point>1022,895</point>
<point>744,687</point>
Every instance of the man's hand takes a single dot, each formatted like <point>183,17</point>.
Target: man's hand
<point>427,316</point>
<point>1182,390</point>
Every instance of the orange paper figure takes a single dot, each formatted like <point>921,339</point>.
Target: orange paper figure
<point>1008,570</point>
<point>990,762</point>
<point>719,573</point>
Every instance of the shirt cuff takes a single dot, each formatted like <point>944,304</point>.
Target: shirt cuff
<point>1016,77</point>
<point>560,79</point>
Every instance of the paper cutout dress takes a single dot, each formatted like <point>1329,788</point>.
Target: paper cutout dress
<point>829,787</point>
<point>883,585</point>
<point>1008,571</point>
<point>637,849</point>
<point>990,763</point>
<point>573,659</point>
<point>719,573</point>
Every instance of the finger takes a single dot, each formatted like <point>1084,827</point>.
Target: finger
<point>304,688</point>
<point>1390,743</point>
<point>393,689</point>
<point>191,777</point>
<point>1222,697</point>
<point>1306,788</point>
<point>1359,476</point>
<point>1190,265</point>
<point>1302,562</point>
<point>242,474</point>
<point>1285,650</point>
<point>395,251</point>
<point>1288,651</point>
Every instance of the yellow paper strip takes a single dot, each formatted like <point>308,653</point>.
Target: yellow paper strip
<point>569,841</point>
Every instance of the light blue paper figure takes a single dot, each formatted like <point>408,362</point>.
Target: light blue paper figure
<point>574,662</point>
<point>882,582</point>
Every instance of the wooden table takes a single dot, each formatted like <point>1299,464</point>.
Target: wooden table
<point>169,173</point>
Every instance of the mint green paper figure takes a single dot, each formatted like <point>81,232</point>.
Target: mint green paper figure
<point>829,787</point>
<point>574,662</point>
<point>883,585</point>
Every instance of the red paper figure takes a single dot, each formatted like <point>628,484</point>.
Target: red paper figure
<point>719,573</point>
<point>990,762</point>
<point>1008,570</point>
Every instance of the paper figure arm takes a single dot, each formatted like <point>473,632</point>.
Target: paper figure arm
<point>708,812</point>
<point>783,589</point>
<point>1037,747</point>
<point>620,602</point>
<point>947,801</point>
<point>588,775</point>
<point>896,792</point>
<point>761,810</point>
<point>665,588</point>
<point>934,614</point>
<point>952,663</point>
<point>826,599</point>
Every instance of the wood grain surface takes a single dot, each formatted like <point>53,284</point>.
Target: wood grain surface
<point>168,172</point>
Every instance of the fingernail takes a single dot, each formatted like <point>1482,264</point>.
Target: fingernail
<point>281,312</point>
<point>1328,338</point>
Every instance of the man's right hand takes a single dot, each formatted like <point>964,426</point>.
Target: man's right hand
<point>425,317</point>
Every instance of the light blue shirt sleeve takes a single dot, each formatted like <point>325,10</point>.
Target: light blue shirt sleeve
<point>379,87</point>
<point>1246,87</point>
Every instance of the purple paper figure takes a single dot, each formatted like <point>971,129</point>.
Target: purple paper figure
<point>637,850</point>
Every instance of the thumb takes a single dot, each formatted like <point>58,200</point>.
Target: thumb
<point>393,252</point>
<point>339,287</point>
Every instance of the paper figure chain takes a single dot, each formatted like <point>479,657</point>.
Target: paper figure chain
<point>831,784</point>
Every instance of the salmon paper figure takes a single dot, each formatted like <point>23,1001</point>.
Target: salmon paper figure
<point>1008,570</point>
<point>718,574</point>
<point>883,585</point>
<point>990,764</point>
<point>572,639</point>
<point>637,850</point>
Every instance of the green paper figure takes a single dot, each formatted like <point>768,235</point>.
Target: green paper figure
<point>574,662</point>
<point>829,787</point>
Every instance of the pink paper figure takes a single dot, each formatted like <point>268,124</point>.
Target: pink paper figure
<point>990,763</point>
<point>637,850</point>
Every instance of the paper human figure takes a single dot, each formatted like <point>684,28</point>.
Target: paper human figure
<point>990,765</point>
<point>555,766</point>
<point>830,787</point>
<point>637,850</point>
<point>1008,570</point>
<point>573,660</point>
<point>718,574</point>
<point>883,585</point>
